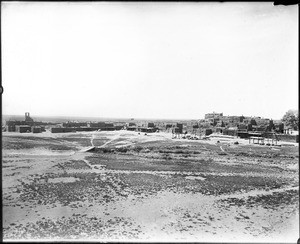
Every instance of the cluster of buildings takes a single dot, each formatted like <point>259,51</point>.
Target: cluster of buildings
<point>237,126</point>
<point>241,126</point>
<point>27,125</point>
<point>245,127</point>
<point>103,126</point>
<point>84,126</point>
<point>227,125</point>
<point>146,127</point>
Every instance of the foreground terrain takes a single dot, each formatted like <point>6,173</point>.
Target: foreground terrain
<point>134,186</point>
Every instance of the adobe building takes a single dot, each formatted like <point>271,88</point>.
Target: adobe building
<point>23,128</point>
<point>102,126</point>
<point>151,125</point>
<point>99,125</point>
<point>208,132</point>
<point>180,128</point>
<point>176,130</point>
<point>11,125</point>
<point>146,129</point>
<point>28,118</point>
<point>213,115</point>
<point>61,129</point>
<point>131,128</point>
<point>75,124</point>
<point>36,129</point>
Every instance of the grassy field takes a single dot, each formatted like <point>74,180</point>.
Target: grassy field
<point>147,187</point>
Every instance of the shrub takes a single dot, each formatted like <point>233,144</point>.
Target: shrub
<point>167,157</point>
<point>122,149</point>
<point>138,148</point>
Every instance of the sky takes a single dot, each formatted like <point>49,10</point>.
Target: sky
<point>149,60</point>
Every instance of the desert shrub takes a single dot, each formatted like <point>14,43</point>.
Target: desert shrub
<point>122,149</point>
<point>107,150</point>
<point>167,157</point>
<point>138,148</point>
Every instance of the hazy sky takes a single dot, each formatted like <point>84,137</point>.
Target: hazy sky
<point>149,60</point>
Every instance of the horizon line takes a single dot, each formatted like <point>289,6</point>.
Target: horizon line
<point>127,118</point>
<point>100,117</point>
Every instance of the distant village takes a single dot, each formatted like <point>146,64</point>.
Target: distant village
<point>212,124</point>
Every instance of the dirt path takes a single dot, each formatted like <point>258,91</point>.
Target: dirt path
<point>222,149</point>
<point>92,140</point>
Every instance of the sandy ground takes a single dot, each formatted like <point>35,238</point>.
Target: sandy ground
<point>150,187</point>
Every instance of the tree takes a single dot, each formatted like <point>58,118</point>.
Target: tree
<point>253,122</point>
<point>271,125</point>
<point>291,119</point>
<point>249,127</point>
<point>281,128</point>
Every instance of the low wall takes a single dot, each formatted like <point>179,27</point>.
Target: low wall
<point>243,134</point>
<point>36,129</point>
<point>11,128</point>
<point>61,130</point>
<point>85,128</point>
<point>230,132</point>
<point>74,129</point>
<point>23,128</point>
<point>289,138</point>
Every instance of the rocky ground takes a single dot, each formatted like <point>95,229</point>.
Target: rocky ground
<point>147,187</point>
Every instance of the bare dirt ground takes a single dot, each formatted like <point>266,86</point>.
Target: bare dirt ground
<point>151,187</point>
